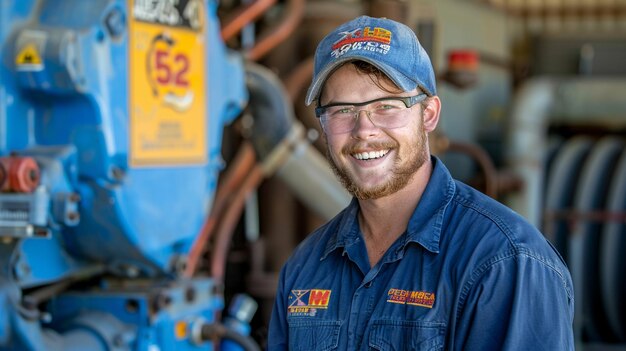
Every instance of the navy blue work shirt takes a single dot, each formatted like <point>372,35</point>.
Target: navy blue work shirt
<point>467,274</point>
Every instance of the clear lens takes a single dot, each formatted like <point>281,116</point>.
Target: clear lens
<point>341,111</point>
<point>386,114</point>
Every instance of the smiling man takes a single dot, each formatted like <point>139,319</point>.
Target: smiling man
<point>417,261</point>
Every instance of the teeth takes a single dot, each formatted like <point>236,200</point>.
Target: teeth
<point>370,155</point>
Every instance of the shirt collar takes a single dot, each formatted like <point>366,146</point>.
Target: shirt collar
<point>346,233</point>
<point>427,220</point>
<point>424,225</point>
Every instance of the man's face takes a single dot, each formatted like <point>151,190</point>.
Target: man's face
<point>373,162</point>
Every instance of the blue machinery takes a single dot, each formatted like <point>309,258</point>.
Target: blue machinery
<point>111,118</point>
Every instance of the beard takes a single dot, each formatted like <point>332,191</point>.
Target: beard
<point>405,165</point>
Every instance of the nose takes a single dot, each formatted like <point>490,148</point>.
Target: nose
<point>364,127</point>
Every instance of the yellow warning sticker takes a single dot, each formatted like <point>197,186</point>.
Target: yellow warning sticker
<point>28,58</point>
<point>167,74</point>
<point>180,330</point>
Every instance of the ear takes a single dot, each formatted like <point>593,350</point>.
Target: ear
<point>430,113</point>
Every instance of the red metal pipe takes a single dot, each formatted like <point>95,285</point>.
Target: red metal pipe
<point>244,16</point>
<point>585,216</point>
<point>229,221</point>
<point>299,78</point>
<point>483,160</point>
<point>290,20</point>
<point>233,178</point>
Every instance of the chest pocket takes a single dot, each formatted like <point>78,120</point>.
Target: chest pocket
<point>394,335</point>
<point>313,335</point>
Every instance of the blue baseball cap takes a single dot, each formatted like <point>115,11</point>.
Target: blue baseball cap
<point>389,45</point>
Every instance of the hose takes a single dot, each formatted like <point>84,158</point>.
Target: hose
<point>289,23</point>
<point>233,179</point>
<point>244,16</point>
<point>272,111</point>
<point>219,331</point>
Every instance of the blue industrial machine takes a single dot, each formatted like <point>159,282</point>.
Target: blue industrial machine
<point>111,119</point>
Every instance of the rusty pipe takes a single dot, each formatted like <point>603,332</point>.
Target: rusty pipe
<point>291,19</point>
<point>243,162</point>
<point>298,78</point>
<point>483,160</point>
<point>244,16</point>
<point>233,178</point>
<point>229,221</point>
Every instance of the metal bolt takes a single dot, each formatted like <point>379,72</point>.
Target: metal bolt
<point>74,197</point>
<point>118,340</point>
<point>132,306</point>
<point>115,22</point>
<point>117,173</point>
<point>178,263</point>
<point>161,301</point>
<point>46,317</point>
<point>131,271</point>
<point>190,294</point>
<point>21,270</point>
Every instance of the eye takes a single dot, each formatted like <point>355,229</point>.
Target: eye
<point>340,111</point>
<point>388,106</point>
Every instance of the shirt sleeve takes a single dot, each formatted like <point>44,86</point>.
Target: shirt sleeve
<point>278,329</point>
<point>516,302</point>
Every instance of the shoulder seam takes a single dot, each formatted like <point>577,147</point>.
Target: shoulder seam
<point>480,271</point>
<point>492,217</point>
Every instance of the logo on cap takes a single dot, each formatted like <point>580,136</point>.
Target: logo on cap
<point>375,39</point>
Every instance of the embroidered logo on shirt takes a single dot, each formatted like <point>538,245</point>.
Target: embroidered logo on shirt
<point>409,297</point>
<point>307,302</point>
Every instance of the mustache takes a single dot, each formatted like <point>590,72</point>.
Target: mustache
<point>360,146</point>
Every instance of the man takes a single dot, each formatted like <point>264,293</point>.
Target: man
<point>417,261</point>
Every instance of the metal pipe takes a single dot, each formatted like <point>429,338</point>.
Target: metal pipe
<point>570,11</point>
<point>575,216</point>
<point>299,78</point>
<point>397,10</point>
<point>291,19</point>
<point>219,331</point>
<point>564,10</point>
<point>281,143</point>
<point>233,178</point>
<point>526,144</point>
<point>244,16</point>
<point>538,103</point>
<point>482,158</point>
<point>307,173</point>
<point>272,114</point>
<point>80,340</point>
<point>229,220</point>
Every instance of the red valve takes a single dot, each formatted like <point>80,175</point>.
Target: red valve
<point>462,68</point>
<point>19,174</point>
<point>463,60</point>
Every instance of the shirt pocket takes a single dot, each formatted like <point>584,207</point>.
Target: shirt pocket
<point>395,335</point>
<point>313,335</point>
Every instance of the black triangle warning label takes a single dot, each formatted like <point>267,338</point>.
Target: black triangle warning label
<point>28,56</point>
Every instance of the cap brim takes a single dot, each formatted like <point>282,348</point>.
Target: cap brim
<point>401,80</point>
